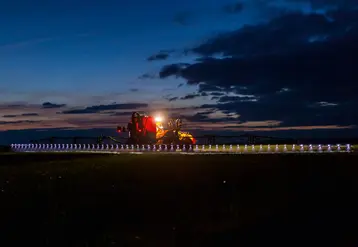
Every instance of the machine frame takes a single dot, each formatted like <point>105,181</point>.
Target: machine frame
<point>146,129</point>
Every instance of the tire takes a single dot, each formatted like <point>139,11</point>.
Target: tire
<point>186,141</point>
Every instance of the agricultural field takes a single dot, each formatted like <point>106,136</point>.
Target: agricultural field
<point>74,199</point>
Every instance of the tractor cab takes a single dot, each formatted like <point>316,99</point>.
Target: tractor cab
<point>141,129</point>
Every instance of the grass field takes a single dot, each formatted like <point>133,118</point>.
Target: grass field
<point>177,200</point>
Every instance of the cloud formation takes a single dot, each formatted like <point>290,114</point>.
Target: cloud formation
<point>162,55</point>
<point>18,122</point>
<point>295,71</point>
<point>298,69</point>
<point>31,114</point>
<point>325,4</point>
<point>99,108</point>
<point>52,105</point>
<point>279,36</point>
<point>22,116</point>
<point>147,76</point>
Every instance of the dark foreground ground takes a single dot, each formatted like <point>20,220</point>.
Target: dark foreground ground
<point>76,200</point>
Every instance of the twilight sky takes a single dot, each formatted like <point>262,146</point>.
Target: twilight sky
<point>255,65</point>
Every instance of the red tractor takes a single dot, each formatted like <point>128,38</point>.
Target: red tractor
<point>144,129</point>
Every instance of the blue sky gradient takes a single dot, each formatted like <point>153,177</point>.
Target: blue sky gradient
<point>84,53</point>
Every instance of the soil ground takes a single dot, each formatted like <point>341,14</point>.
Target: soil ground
<point>178,200</point>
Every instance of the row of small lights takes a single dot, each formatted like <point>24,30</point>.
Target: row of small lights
<point>26,147</point>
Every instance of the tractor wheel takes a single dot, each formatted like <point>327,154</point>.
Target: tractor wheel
<point>186,141</point>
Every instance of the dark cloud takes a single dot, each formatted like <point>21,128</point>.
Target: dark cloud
<point>186,97</point>
<point>148,76</point>
<point>316,72</point>
<point>217,93</point>
<point>29,114</point>
<point>162,55</point>
<point>298,68</point>
<point>23,115</point>
<point>211,88</point>
<point>323,4</point>
<point>181,109</point>
<point>282,34</point>
<point>244,98</point>
<point>99,108</point>
<point>134,90</point>
<point>18,122</point>
<point>173,99</point>
<point>198,117</point>
<point>190,96</point>
<point>52,105</point>
<point>234,8</point>
<point>172,69</point>
<point>194,95</point>
<point>290,113</point>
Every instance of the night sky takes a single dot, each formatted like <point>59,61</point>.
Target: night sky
<point>264,66</point>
